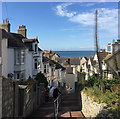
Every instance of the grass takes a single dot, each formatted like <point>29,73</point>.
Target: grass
<point>110,98</point>
<point>110,95</point>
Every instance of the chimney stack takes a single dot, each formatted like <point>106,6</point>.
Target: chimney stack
<point>5,25</point>
<point>22,30</point>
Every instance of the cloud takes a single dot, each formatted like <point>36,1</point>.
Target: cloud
<point>107,18</point>
<point>62,11</point>
<point>87,4</point>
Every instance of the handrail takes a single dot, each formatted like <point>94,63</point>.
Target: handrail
<point>57,102</point>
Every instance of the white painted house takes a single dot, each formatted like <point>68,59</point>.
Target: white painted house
<point>22,58</point>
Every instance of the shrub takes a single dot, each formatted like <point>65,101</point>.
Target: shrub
<point>40,78</point>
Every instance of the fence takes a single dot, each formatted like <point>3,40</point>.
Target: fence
<point>19,100</point>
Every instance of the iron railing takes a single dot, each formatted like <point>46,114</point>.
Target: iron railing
<point>57,102</point>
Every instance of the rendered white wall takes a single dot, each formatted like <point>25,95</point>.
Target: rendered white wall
<point>10,61</point>
<point>4,57</point>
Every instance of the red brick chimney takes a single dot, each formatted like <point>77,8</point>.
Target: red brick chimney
<point>22,30</point>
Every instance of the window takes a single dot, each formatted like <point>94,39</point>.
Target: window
<point>17,57</point>
<point>22,75</point>
<point>45,69</point>
<point>22,57</point>
<point>52,72</point>
<point>58,73</point>
<point>35,47</point>
<point>109,48</point>
<point>35,64</point>
<point>17,76</point>
<point>39,63</point>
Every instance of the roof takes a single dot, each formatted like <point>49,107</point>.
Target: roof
<point>111,55</point>
<point>102,55</point>
<point>30,40</point>
<point>62,59</point>
<point>39,49</point>
<point>69,70</point>
<point>108,56</point>
<point>14,39</point>
<point>53,63</point>
<point>92,61</point>
<point>75,61</point>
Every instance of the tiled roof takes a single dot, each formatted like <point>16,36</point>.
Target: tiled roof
<point>14,39</point>
<point>30,40</point>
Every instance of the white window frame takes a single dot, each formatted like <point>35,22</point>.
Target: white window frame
<point>45,68</point>
<point>35,62</point>
<point>17,57</point>
<point>22,57</point>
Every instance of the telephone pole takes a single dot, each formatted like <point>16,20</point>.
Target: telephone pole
<point>97,49</point>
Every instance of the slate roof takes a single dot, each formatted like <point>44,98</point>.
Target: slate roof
<point>102,55</point>
<point>111,55</point>
<point>39,49</point>
<point>63,60</point>
<point>53,63</point>
<point>75,61</point>
<point>14,39</point>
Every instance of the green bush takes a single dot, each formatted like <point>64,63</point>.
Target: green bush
<point>40,78</point>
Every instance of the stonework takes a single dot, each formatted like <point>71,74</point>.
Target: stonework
<point>7,98</point>
<point>93,109</point>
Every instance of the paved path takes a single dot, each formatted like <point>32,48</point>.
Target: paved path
<point>45,110</point>
<point>70,106</point>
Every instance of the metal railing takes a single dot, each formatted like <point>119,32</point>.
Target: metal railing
<point>56,105</point>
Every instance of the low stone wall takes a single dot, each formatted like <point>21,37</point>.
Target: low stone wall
<point>7,97</point>
<point>93,109</point>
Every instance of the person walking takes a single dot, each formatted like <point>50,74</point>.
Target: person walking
<point>55,93</point>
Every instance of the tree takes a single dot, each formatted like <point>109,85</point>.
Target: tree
<point>40,78</point>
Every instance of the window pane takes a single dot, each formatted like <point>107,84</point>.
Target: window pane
<point>22,57</point>
<point>35,65</point>
<point>17,57</point>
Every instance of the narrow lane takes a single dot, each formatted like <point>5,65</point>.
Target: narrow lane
<point>70,106</point>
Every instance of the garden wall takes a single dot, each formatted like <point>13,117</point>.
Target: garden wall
<point>93,109</point>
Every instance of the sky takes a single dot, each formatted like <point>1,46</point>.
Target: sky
<point>64,26</point>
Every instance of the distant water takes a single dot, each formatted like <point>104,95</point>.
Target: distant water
<point>75,53</point>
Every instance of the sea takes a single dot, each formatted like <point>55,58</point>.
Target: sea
<point>75,53</point>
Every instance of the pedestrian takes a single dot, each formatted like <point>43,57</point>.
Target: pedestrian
<point>55,93</point>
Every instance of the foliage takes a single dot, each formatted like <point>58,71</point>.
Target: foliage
<point>40,78</point>
<point>111,91</point>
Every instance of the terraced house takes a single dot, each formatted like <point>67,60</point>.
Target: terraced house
<point>54,72</point>
<point>21,56</point>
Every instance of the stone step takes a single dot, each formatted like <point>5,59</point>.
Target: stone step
<point>74,114</point>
